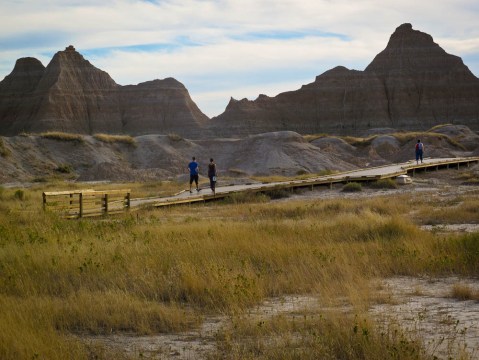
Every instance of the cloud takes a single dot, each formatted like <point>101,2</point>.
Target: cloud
<point>222,47</point>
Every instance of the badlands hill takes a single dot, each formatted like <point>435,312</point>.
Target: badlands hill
<point>71,95</point>
<point>412,84</point>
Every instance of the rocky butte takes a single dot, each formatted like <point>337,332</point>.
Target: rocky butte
<point>72,95</point>
<point>412,84</point>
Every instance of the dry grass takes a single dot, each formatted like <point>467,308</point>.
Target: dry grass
<point>4,151</point>
<point>111,139</point>
<point>312,137</point>
<point>57,135</point>
<point>469,177</point>
<point>437,127</point>
<point>402,137</point>
<point>457,210</point>
<point>359,141</point>
<point>464,292</point>
<point>162,270</point>
<point>174,137</point>
<point>316,336</point>
<point>302,176</point>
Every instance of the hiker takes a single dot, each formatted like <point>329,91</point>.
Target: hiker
<point>212,174</point>
<point>419,151</point>
<point>194,170</point>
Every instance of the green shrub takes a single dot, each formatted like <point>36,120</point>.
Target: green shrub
<point>19,194</point>
<point>384,184</point>
<point>352,187</point>
<point>64,169</point>
<point>278,194</point>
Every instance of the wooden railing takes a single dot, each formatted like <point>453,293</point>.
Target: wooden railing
<point>80,203</point>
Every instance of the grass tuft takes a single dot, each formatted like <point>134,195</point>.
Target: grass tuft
<point>4,151</point>
<point>464,292</point>
<point>174,137</point>
<point>62,136</point>
<point>112,139</point>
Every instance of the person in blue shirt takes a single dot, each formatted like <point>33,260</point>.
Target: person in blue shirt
<point>194,171</point>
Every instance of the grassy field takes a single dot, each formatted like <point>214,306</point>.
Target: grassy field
<point>164,270</point>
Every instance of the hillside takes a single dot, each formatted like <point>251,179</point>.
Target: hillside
<point>33,158</point>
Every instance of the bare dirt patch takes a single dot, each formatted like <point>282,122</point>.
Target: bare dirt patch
<point>195,344</point>
<point>425,307</point>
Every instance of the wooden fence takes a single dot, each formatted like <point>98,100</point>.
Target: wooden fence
<point>80,203</point>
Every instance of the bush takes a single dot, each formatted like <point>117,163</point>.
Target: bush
<point>352,187</point>
<point>64,169</point>
<point>279,194</point>
<point>174,137</point>
<point>19,194</point>
<point>384,184</point>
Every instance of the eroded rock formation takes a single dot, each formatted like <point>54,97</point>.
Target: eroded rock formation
<point>412,84</point>
<point>72,95</point>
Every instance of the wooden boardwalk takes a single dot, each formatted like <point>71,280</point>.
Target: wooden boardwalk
<point>361,175</point>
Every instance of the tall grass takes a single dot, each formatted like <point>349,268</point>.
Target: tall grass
<point>315,336</point>
<point>162,270</point>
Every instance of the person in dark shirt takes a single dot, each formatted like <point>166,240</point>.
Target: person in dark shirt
<point>194,171</point>
<point>212,175</point>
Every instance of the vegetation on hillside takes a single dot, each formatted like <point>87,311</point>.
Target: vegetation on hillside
<point>62,136</point>
<point>111,139</point>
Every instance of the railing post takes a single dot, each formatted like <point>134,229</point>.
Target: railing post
<point>128,201</point>
<point>105,206</point>
<point>44,201</point>
<point>80,200</point>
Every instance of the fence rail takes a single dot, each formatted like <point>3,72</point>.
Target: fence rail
<point>81,203</point>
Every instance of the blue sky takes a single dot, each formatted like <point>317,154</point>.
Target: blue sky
<point>228,48</point>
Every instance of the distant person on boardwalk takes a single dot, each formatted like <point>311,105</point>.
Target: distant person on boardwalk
<point>212,175</point>
<point>419,151</point>
<point>194,171</point>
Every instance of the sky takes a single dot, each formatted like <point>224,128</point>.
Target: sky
<point>221,49</point>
